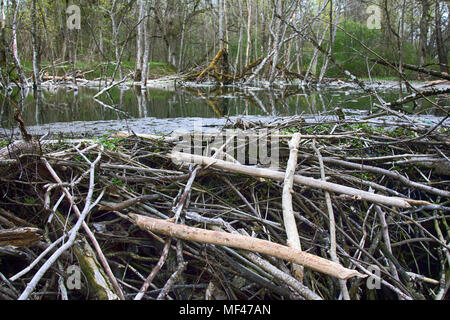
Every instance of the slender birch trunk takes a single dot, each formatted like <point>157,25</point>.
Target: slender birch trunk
<point>147,45</point>
<point>35,40</point>
<point>249,31</point>
<point>15,54</point>
<point>423,38</point>
<point>139,40</point>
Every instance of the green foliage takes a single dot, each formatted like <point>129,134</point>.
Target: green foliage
<point>117,182</point>
<point>318,129</point>
<point>350,53</point>
<point>286,131</point>
<point>108,143</point>
<point>4,143</point>
<point>29,200</point>
<point>347,51</point>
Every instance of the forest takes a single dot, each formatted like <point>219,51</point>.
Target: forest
<point>264,40</point>
<point>231,150</point>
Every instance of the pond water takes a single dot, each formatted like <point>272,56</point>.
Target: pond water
<point>66,109</point>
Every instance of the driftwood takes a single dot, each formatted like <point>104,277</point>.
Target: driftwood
<point>128,203</point>
<point>415,96</point>
<point>78,76</point>
<point>310,182</point>
<point>17,148</point>
<point>393,174</point>
<point>246,204</point>
<point>293,239</point>
<point>243,242</point>
<point>98,94</point>
<point>19,237</point>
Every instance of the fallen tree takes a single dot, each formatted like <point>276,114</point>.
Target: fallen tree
<point>423,70</point>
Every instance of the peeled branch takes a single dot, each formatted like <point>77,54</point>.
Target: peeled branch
<point>243,242</point>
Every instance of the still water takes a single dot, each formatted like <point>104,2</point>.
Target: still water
<point>64,109</point>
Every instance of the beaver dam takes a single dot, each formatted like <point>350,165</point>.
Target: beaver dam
<point>343,210</point>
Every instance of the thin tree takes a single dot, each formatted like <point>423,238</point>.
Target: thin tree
<point>440,45</point>
<point>147,41</point>
<point>139,41</point>
<point>35,45</point>
<point>423,37</point>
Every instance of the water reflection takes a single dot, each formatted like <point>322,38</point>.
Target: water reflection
<point>63,104</point>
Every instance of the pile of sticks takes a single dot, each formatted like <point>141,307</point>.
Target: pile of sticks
<point>353,212</point>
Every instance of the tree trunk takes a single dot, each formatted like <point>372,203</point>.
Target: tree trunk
<point>442,52</point>
<point>3,44</point>
<point>424,33</point>
<point>147,45</point>
<point>275,39</point>
<point>139,41</point>
<point>183,31</point>
<point>115,31</point>
<point>15,54</point>
<point>249,31</point>
<point>332,37</point>
<point>35,40</point>
<point>221,25</point>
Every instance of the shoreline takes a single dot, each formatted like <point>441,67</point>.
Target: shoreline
<point>173,82</point>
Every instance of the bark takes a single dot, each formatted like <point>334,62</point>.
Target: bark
<point>19,237</point>
<point>279,176</point>
<point>35,44</point>
<point>276,35</point>
<point>139,41</point>
<point>100,288</point>
<point>221,24</point>
<point>440,44</point>
<point>249,31</point>
<point>115,31</point>
<point>15,54</point>
<point>237,63</point>
<point>147,41</point>
<point>424,33</point>
<point>2,38</point>
<point>429,72</point>
<point>293,239</point>
<point>183,32</point>
<point>331,44</point>
<point>244,242</point>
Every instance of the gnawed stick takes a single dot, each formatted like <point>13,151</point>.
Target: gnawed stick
<point>293,240</point>
<point>243,242</point>
<point>128,203</point>
<point>276,175</point>
<point>123,134</point>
